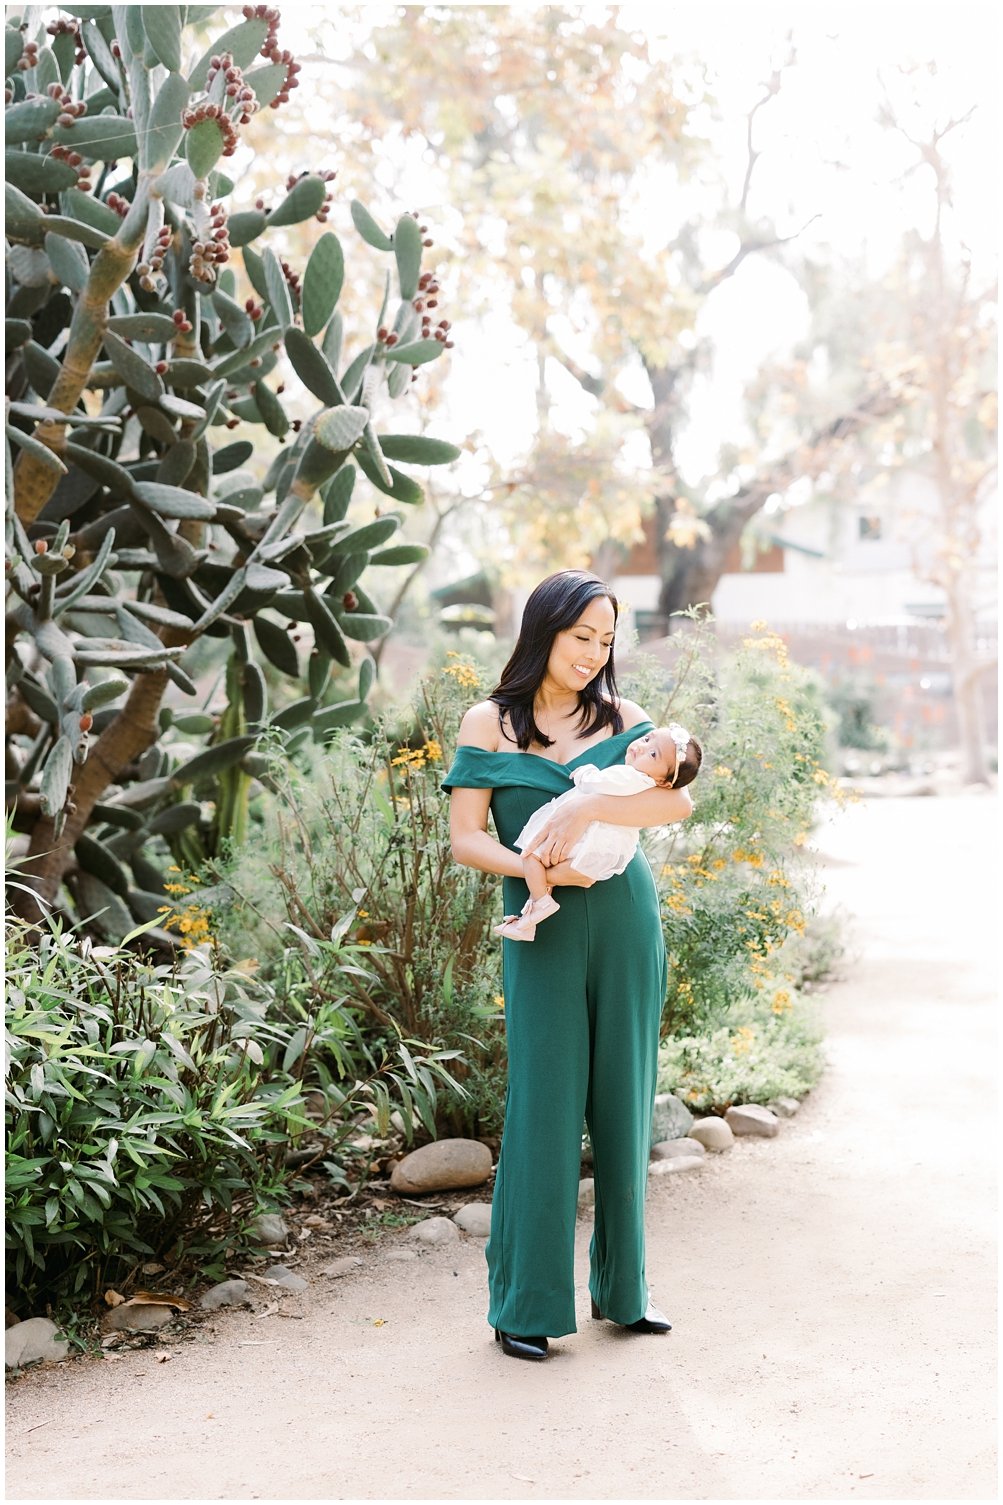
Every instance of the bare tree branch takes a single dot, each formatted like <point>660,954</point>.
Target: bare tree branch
<point>595,386</point>
<point>772,89</point>
<point>746,249</point>
<point>747,501</point>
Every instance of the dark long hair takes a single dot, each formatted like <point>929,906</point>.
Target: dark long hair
<point>555,605</point>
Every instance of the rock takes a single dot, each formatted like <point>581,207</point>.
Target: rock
<point>227,1293</point>
<point>784,1107</point>
<point>446,1164</point>
<point>475,1218</point>
<point>752,1118</point>
<point>436,1231</point>
<point>675,1163</point>
<point>269,1228</point>
<point>402,1256</point>
<point>347,1265</point>
<point>138,1317</point>
<point>37,1339</point>
<point>288,1279</point>
<point>670,1149</point>
<point>712,1133</point>
<point>587,1192</point>
<point>671,1118</point>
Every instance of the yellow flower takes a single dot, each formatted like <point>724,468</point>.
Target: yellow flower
<point>741,1040</point>
<point>820,776</point>
<point>363,914</point>
<point>192,923</point>
<point>722,771</point>
<point>408,758</point>
<point>432,750</point>
<point>463,672</point>
<point>776,879</point>
<point>781,1001</point>
<point>758,625</point>
<point>499,1000</point>
<point>678,905</point>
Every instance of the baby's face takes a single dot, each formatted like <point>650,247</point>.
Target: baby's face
<point>654,754</point>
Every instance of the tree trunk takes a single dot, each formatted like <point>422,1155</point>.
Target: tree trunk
<point>133,730</point>
<point>966,672</point>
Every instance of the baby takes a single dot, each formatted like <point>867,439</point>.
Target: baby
<point>668,756</point>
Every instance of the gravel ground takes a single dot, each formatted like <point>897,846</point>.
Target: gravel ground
<point>832,1290</point>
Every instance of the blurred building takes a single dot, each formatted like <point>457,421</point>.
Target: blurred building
<point>849,590</point>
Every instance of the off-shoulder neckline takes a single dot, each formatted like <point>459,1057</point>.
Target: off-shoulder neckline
<point>540,758</point>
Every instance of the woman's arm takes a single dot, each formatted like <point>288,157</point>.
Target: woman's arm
<point>471,842</point>
<point>652,807</point>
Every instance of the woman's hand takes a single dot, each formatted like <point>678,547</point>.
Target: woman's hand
<point>562,830</point>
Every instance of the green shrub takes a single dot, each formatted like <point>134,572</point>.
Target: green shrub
<point>136,1114</point>
<point>150,1109</point>
<point>363,832</point>
<point>769,1047</point>
<point>733,884</point>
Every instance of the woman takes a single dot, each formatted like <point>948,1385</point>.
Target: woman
<point>582,1004</point>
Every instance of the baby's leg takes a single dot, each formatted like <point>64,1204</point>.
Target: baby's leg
<point>535,875</point>
<point>540,904</point>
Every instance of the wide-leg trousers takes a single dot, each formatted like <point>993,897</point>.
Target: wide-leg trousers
<point>582,1008</point>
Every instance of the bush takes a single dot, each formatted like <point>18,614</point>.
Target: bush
<point>769,1047</point>
<point>362,834</point>
<point>137,1115</point>
<point>151,1109</point>
<point>732,881</point>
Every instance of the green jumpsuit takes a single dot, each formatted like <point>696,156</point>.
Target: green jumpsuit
<point>582,1007</point>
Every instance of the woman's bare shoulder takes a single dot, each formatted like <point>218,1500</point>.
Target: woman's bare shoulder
<point>480,727</point>
<point>632,714</point>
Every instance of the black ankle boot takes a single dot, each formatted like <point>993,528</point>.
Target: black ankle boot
<point>521,1348</point>
<point>651,1322</point>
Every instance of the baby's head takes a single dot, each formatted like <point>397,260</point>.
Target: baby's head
<point>669,755</point>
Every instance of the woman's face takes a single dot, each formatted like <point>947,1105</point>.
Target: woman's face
<point>580,652</point>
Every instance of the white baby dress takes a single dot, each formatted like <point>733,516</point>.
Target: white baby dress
<point>602,850</point>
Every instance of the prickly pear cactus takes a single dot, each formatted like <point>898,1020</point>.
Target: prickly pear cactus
<point>148,330</point>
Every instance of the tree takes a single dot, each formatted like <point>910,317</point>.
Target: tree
<point>951,357</point>
<point>595,216</point>
<point>135,535</point>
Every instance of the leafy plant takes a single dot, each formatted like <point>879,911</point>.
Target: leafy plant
<point>152,1110</point>
<point>139,526</point>
<point>136,1115</point>
<point>362,835</point>
<point>732,881</point>
<point>769,1047</point>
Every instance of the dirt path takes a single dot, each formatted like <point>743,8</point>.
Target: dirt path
<point>832,1290</point>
